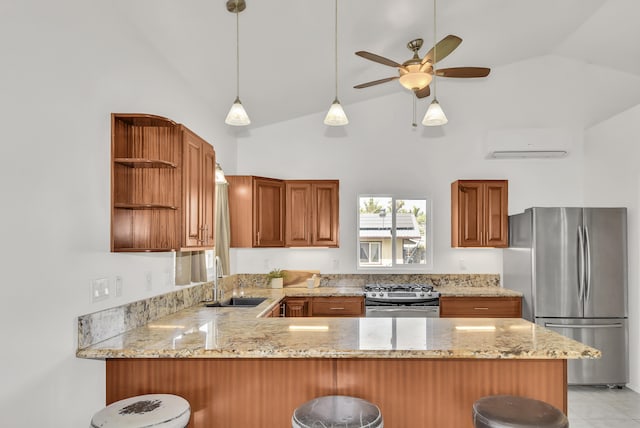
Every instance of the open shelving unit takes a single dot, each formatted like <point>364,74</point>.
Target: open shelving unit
<point>146,180</point>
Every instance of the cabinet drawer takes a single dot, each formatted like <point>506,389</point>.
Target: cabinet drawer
<point>481,307</point>
<point>337,306</point>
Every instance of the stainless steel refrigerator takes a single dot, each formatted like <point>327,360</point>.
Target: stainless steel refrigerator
<point>571,266</point>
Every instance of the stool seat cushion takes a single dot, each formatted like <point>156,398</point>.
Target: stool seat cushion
<point>337,411</point>
<point>152,410</point>
<point>509,411</point>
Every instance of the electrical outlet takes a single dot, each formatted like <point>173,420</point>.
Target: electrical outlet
<point>99,289</point>
<point>118,286</point>
<point>266,264</point>
<point>336,265</point>
<point>463,264</point>
<point>149,281</point>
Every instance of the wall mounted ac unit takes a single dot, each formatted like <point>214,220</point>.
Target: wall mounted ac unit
<point>531,143</point>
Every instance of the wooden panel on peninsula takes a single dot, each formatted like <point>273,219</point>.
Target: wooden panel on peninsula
<point>263,392</point>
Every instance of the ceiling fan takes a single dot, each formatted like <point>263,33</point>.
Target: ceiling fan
<point>416,74</point>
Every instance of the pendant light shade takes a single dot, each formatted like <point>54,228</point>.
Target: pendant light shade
<point>220,178</point>
<point>237,115</point>
<point>435,115</point>
<point>336,115</point>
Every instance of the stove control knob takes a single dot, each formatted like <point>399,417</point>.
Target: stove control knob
<point>421,294</point>
<point>429,293</point>
<point>380,294</point>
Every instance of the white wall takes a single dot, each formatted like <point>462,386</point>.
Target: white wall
<point>66,65</point>
<point>380,152</point>
<point>612,178</point>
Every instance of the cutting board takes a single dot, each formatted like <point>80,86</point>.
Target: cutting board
<point>298,278</point>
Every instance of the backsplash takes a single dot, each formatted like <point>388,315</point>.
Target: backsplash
<point>102,325</point>
<point>359,280</point>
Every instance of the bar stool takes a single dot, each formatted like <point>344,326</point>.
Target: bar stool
<point>333,411</point>
<point>151,410</point>
<point>509,411</point>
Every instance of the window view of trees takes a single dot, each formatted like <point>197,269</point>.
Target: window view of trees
<point>392,231</point>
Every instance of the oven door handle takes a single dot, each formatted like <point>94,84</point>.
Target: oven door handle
<point>402,308</point>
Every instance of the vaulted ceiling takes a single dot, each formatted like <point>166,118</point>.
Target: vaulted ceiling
<point>286,46</point>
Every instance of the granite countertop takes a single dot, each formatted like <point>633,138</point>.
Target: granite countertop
<point>460,291</point>
<point>223,332</point>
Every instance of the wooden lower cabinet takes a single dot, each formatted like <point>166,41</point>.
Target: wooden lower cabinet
<point>264,392</point>
<point>296,307</point>
<point>275,312</point>
<point>348,306</point>
<point>480,307</point>
<point>337,306</point>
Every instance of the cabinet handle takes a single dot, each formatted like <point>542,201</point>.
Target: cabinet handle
<point>481,309</point>
<point>258,237</point>
<point>337,309</point>
<point>200,233</point>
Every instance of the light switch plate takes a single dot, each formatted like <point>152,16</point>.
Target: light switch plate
<point>99,289</point>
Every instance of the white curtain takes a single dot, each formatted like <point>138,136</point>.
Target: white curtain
<point>223,229</point>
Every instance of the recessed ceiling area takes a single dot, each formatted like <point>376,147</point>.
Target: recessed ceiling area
<point>286,47</point>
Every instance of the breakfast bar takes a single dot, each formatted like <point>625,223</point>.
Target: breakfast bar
<point>239,369</point>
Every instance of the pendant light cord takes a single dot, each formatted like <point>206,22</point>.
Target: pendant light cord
<point>435,50</point>
<point>336,47</point>
<point>237,51</point>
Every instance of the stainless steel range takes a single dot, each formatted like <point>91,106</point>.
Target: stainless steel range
<point>401,300</point>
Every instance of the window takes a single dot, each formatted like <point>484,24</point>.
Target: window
<point>394,233</point>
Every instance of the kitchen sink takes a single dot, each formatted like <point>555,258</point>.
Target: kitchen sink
<point>238,302</point>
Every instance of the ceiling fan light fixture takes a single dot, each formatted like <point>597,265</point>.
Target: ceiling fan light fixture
<point>336,115</point>
<point>435,115</point>
<point>237,115</point>
<point>414,79</point>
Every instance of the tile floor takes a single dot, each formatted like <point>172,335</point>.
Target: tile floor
<point>601,407</point>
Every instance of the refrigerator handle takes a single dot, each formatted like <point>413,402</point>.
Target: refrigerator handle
<point>587,267</point>
<point>587,326</point>
<point>581,262</point>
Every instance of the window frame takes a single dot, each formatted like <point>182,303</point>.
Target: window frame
<point>395,267</point>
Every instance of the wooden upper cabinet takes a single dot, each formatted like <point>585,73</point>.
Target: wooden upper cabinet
<point>198,190</point>
<point>268,212</point>
<point>479,213</point>
<point>312,213</point>
<point>160,193</point>
<point>256,211</point>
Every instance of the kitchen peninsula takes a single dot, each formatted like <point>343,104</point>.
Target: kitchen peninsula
<point>238,369</point>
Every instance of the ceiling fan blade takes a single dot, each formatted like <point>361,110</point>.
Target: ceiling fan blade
<point>463,72</point>
<point>379,59</point>
<point>424,92</point>
<point>443,48</point>
<point>375,82</point>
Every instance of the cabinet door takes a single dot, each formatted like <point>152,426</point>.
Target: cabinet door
<point>324,214</point>
<point>337,307</point>
<point>467,214</point>
<point>298,214</point>
<point>192,190</point>
<point>479,213</point>
<point>268,214</point>
<point>296,307</point>
<point>496,216</point>
<point>209,195</point>
<point>480,307</point>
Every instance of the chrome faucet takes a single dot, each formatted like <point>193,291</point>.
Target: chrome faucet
<point>217,274</point>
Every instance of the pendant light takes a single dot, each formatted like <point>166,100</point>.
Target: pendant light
<point>336,115</point>
<point>237,115</point>
<point>435,115</point>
